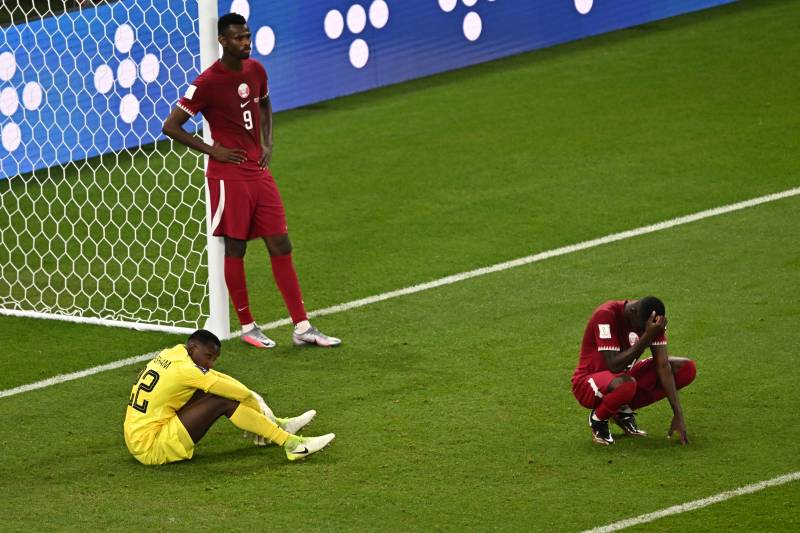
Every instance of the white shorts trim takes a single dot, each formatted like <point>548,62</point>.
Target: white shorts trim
<point>220,207</point>
<point>594,388</point>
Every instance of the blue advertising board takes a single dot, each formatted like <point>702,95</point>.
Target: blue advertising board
<point>98,80</point>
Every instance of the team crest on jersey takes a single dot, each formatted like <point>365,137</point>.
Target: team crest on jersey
<point>633,338</point>
<point>244,90</point>
<point>605,331</point>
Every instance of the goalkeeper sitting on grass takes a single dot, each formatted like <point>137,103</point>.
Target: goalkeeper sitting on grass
<point>178,397</point>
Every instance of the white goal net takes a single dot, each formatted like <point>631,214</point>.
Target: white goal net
<point>101,222</point>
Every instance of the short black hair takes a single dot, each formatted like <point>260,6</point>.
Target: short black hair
<point>230,19</point>
<point>203,336</point>
<point>648,304</point>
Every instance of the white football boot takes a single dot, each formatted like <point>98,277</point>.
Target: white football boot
<point>255,337</point>
<point>301,447</point>
<point>313,336</point>
<point>295,424</point>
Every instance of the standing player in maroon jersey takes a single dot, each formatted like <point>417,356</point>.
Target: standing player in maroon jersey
<point>611,381</point>
<point>233,96</point>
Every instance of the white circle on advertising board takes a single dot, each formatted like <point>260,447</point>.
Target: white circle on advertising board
<point>265,40</point>
<point>129,108</point>
<point>334,24</point>
<point>124,38</point>
<point>9,101</point>
<point>12,136</point>
<point>8,65</point>
<point>356,18</point>
<point>242,7</point>
<point>583,6</point>
<point>103,79</point>
<point>447,5</point>
<point>378,14</point>
<point>126,73</point>
<point>32,96</point>
<point>359,53</point>
<point>472,26</point>
<point>149,68</point>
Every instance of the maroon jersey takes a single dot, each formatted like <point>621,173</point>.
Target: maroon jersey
<point>607,330</point>
<point>229,101</point>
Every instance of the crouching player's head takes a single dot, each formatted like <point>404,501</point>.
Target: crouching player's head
<point>203,347</point>
<point>645,309</point>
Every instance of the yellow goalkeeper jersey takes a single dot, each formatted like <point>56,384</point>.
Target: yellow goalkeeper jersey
<point>165,385</point>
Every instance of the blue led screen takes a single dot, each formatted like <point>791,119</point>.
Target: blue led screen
<point>98,80</point>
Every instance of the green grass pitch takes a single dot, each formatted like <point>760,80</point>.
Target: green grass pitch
<point>452,407</point>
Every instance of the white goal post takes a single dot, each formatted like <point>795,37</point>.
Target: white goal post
<point>219,319</point>
<point>104,221</point>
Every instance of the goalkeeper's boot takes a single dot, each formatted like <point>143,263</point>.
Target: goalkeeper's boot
<point>255,337</point>
<point>313,336</point>
<point>296,423</point>
<point>627,421</point>
<point>600,432</point>
<point>289,425</point>
<point>301,447</point>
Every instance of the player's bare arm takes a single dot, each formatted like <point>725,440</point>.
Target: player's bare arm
<point>173,128</point>
<point>667,380</point>
<point>266,131</point>
<point>618,361</point>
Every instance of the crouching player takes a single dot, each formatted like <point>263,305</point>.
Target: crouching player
<point>612,382</point>
<point>178,397</point>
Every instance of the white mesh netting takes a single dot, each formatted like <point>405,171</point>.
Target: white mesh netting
<point>99,220</point>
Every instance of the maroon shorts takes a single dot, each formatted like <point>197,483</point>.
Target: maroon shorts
<point>589,389</point>
<point>246,209</point>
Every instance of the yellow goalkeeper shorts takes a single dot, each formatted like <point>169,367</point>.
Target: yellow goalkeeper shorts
<point>172,443</point>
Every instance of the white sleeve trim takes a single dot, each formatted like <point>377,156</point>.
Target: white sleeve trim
<point>186,109</point>
<point>611,348</point>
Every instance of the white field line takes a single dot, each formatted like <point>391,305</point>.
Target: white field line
<point>62,378</point>
<point>564,250</point>
<point>696,504</point>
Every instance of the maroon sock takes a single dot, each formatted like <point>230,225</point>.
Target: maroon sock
<point>615,399</point>
<point>237,288</point>
<point>286,280</point>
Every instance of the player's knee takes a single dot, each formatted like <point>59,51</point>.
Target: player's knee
<point>228,406</point>
<point>627,390</point>
<point>278,244</point>
<point>685,373</point>
<point>623,389</point>
<point>623,380</point>
<point>198,395</point>
<point>235,248</point>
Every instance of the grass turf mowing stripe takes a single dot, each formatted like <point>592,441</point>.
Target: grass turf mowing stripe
<point>614,237</point>
<point>696,504</point>
<point>499,267</point>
